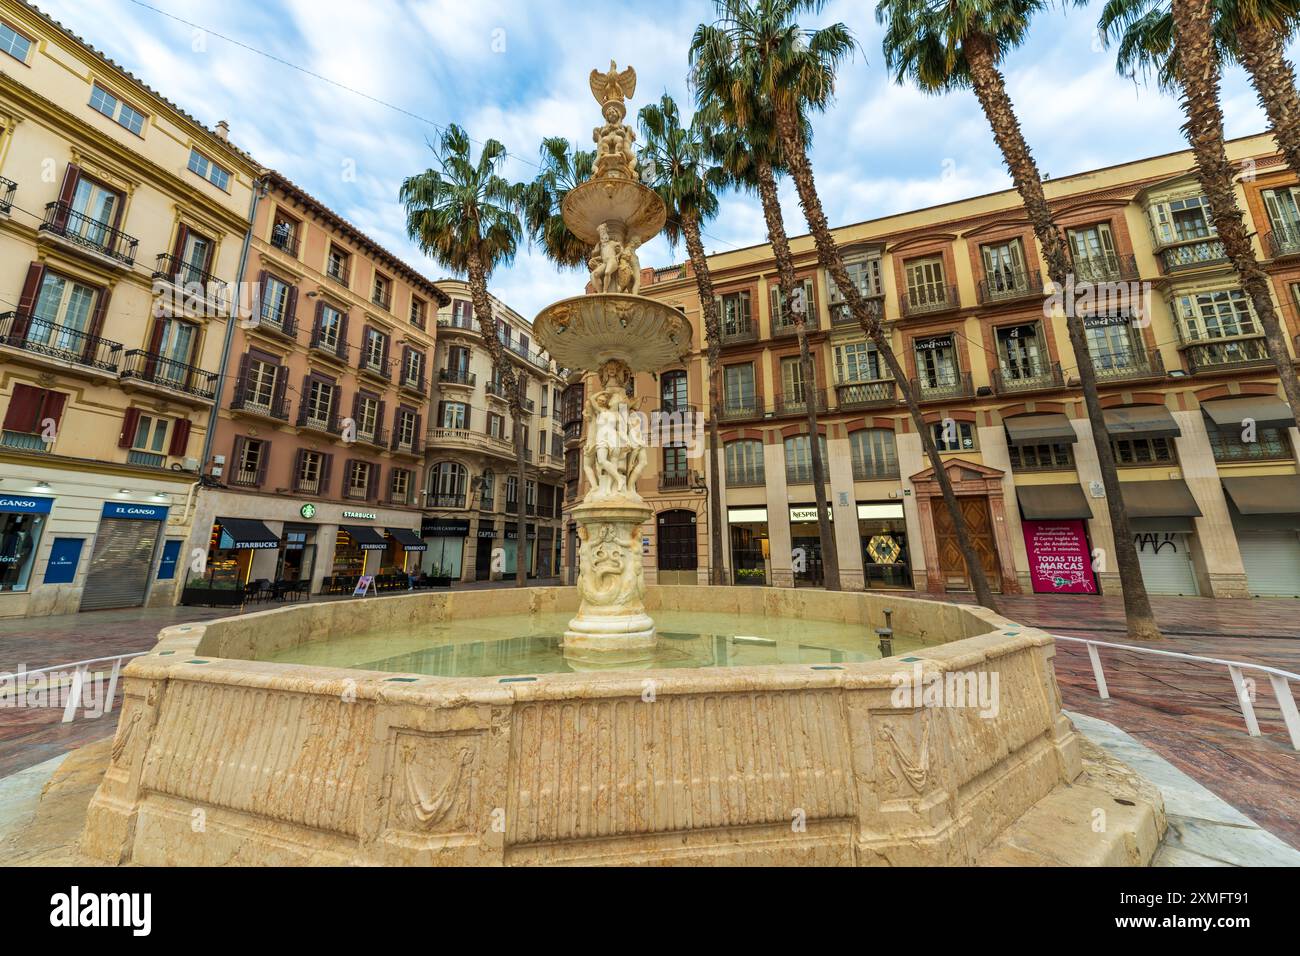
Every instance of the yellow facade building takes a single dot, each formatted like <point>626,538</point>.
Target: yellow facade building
<point>1203,436</point>
<point>122,225</point>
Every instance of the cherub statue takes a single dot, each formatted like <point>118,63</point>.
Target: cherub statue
<point>614,153</point>
<point>603,450</point>
<point>629,268</point>
<point>635,455</point>
<point>604,260</point>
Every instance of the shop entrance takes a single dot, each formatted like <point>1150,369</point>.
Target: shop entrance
<point>677,559</point>
<point>979,524</point>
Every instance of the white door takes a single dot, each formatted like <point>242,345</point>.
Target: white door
<point>1272,560</point>
<point>1166,562</point>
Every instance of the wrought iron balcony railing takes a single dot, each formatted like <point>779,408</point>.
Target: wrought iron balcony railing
<point>1105,267</point>
<point>381,368</point>
<point>739,330</point>
<point>286,240</point>
<point>879,393</point>
<point>185,274</point>
<point>1027,378</point>
<point>944,387</point>
<point>59,343</point>
<point>1284,240</point>
<point>1129,364</point>
<point>1211,355</point>
<point>248,400</point>
<point>169,373</point>
<point>1190,255</point>
<point>929,298</point>
<point>319,421</point>
<point>797,403</point>
<point>1004,285</point>
<point>100,237</point>
<point>336,349</point>
<point>458,376</point>
<point>7,189</point>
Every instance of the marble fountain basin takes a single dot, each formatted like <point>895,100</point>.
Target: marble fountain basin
<point>225,757</point>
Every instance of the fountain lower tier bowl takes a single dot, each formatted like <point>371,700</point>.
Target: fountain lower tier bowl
<point>587,331</point>
<point>637,208</point>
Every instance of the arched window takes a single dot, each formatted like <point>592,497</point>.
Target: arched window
<point>798,459</point>
<point>745,462</point>
<point>487,493</point>
<point>873,453</point>
<point>447,483</point>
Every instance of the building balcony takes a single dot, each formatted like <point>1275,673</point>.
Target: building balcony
<point>286,240</point>
<point>1218,354</point>
<point>842,315</point>
<point>458,376</point>
<point>1105,267</point>
<point>167,375</point>
<point>797,403</point>
<point>375,437</point>
<point>879,393</point>
<point>572,431</point>
<point>413,447</point>
<point>382,298</point>
<point>325,423</point>
<point>336,350</point>
<point>7,189</point>
<point>944,388</point>
<point>281,326</point>
<point>190,278</point>
<point>1191,255</point>
<point>412,383</point>
<point>734,333</point>
<point>338,273</point>
<point>1283,241</point>
<point>1009,380</point>
<point>675,480</point>
<point>89,235</point>
<point>496,390</point>
<point>1010,286</point>
<point>739,409</point>
<point>58,344</point>
<point>929,299</point>
<point>458,323</point>
<point>788,328</point>
<point>381,369</point>
<point>464,438</point>
<point>249,403</point>
<point>436,500</point>
<point>1128,366</point>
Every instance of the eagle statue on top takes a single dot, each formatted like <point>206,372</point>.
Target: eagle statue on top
<point>613,86</point>
<point>615,155</point>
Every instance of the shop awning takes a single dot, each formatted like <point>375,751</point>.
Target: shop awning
<point>1159,499</point>
<point>1141,421</point>
<point>1046,429</point>
<point>409,540</point>
<point>1265,494</point>
<point>246,534</point>
<point>1053,502</point>
<point>365,538</point>
<point>1265,411</point>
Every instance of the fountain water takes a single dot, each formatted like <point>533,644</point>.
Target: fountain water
<point>615,333</point>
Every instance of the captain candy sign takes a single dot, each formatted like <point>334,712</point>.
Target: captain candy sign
<point>1059,559</point>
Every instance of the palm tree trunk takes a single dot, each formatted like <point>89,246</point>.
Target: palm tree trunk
<point>828,254</point>
<point>786,283</point>
<point>1261,53</point>
<point>1198,74</point>
<point>521,544</point>
<point>510,383</point>
<point>990,90</point>
<point>713,338</point>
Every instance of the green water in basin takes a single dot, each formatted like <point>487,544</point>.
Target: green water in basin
<point>519,645</point>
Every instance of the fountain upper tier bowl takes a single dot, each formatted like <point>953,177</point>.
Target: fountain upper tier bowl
<point>612,199</point>
<point>588,330</point>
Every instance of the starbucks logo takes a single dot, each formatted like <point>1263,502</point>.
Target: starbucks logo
<point>307,511</point>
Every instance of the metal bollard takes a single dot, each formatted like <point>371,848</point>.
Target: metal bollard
<point>886,635</point>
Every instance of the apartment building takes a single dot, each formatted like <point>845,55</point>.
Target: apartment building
<point>122,221</point>
<point>1194,412</point>
<point>471,489</point>
<point>318,449</point>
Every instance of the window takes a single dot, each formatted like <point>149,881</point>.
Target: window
<point>175,346</point>
<point>383,291</point>
<point>419,308</point>
<point>873,454</point>
<point>738,388</point>
<point>413,368</point>
<point>62,312</point>
<point>512,493</point>
<point>406,428</point>
<point>496,425</point>
<point>330,328</point>
<point>1020,352</point>
<point>195,256</point>
<point>367,416</point>
<point>119,112</point>
<point>259,383</point>
<point>447,483</point>
<point>359,478</point>
<point>953,436</point>
<point>936,362</point>
<point>672,391</point>
<point>805,305</point>
<point>1093,248</point>
<point>925,282</point>
<point>200,165</point>
<point>530,496</point>
<point>736,319</point>
<point>865,274</point>
<point>453,415</point>
<point>320,402</point>
<point>284,233</point>
<point>149,443</point>
<point>488,490</point>
<point>1053,457</point>
<point>20,537</point>
<point>399,486</point>
<point>307,478</point>
<point>14,43</point>
<point>745,462</point>
<point>462,313</point>
<point>857,362</point>
<point>1111,341</point>
<point>96,209</point>
<point>1004,267</point>
<point>250,462</point>
<point>798,459</point>
<point>1270,444</point>
<point>337,264</point>
<point>30,412</point>
<point>1216,315</point>
<point>275,303</point>
<point>1181,220</point>
<point>1284,215</point>
<point>374,350</point>
<point>1142,451</point>
<point>676,470</point>
<point>792,383</point>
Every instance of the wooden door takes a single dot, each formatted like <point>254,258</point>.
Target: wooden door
<point>975,512</point>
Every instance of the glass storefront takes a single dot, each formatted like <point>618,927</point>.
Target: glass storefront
<point>445,538</point>
<point>486,533</point>
<point>882,531</point>
<point>297,554</point>
<point>349,557</point>
<point>751,557</point>
<point>806,545</point>
<point>22,519</point>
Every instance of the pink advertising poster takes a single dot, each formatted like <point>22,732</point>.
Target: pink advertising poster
<point>1059,560</point>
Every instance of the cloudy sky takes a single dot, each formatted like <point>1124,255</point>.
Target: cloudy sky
<point>516,70</point>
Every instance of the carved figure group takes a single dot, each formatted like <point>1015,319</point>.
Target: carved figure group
<point>614,265</point>
<point>614,452</point>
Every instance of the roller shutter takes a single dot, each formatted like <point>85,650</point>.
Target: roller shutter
<point>1167,563</point>
<point>120,564</point>
<point>1272,560</point>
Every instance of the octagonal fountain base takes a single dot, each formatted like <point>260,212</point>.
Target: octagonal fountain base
<point>844,763</point>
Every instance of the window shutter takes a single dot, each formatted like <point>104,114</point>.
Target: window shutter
<point>415,433</point>
<point>27,299</point>
<point>52,407</point>
<point>259,296</point>
<point>379,419</point>
<point>372,491</point>
<point>365,346</point>
<point>236,457</point>
<point>24,409</point>
<point>70,177</point>
<point>326,466</point>
<point>182,234</point>
<point>384,358</point>
<point>297,468</point>
<point>356,409</point>
<point>97,324</point>
<point>155,343</point>
<point>334,401</point>
<point>316,322</point>
<point>290,310</point>
<point>343,337</point>
<point>263,461</point>
<point>304,401</point>
<point>129,421</point>
<point>241,379</point>
<point>277,390</point>
<point>180,438</point>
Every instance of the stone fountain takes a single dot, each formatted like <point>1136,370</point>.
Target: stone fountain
<point>613,333</point>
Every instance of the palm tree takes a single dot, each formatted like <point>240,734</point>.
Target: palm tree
<point>1183,44</point>
<point>1253,33</point>
<point>942,48</point>
<point>677,159</point>
<point>465,216</point>
<point>766,71</point>
<point>562,168</point>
